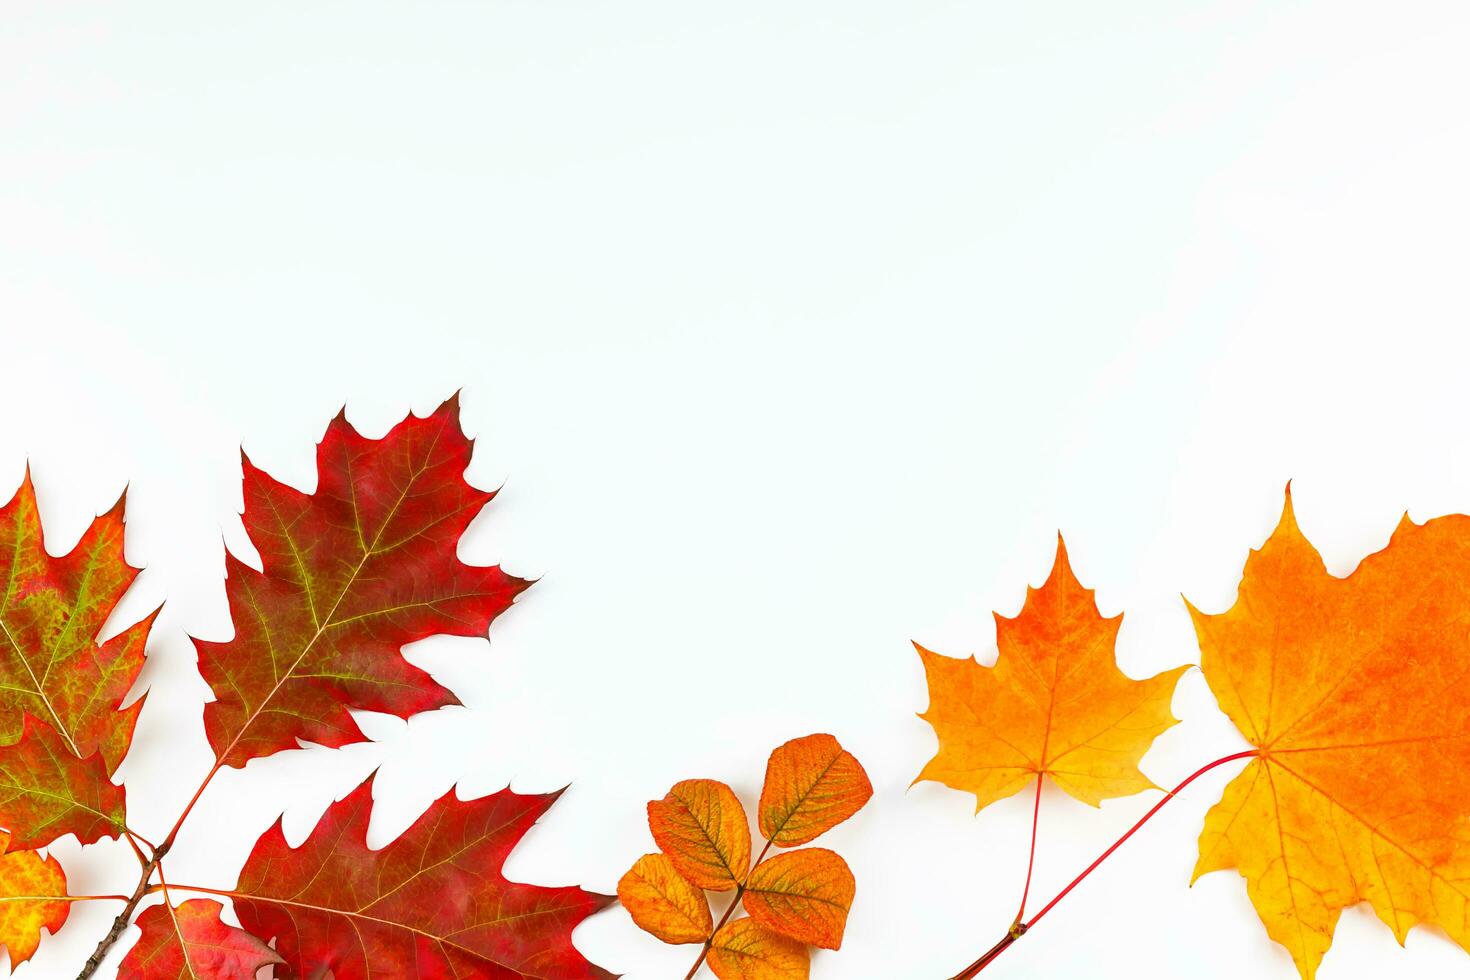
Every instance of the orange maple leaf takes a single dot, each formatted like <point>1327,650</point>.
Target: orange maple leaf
<point>1055,703</point>
<point>1356,692</point>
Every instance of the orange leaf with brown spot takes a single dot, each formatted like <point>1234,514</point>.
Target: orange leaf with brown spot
<point>702,827</point>
<point>1356,691</point>
<point>812,785</point>
<point>804,894</point>
<point>746,950</point>
<point>662,902</point>
<point>1054,704</point>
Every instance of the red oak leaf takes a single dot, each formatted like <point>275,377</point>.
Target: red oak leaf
<point>46,792</point>
<point>432,904</point>
<point>190,942</point>
<point>350,574</point>
<point>62,727</point>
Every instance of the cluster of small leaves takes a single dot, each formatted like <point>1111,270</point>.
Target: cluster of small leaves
<point>350,574</point>
<point>793,899</point>
<point>1353,692</point>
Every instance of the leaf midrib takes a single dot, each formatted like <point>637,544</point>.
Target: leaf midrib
<point>347,587</point>
<point>55,717</point>
<point>389,923</point>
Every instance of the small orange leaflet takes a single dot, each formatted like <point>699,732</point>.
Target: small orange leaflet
<point>664,902</point>
<point>701,826</point>
<point>812,785</point>
<point>746,950</point>
<point>1356,692</point>
<point>803,894</point>
<point>800,897</point>
<point>1054,704</point>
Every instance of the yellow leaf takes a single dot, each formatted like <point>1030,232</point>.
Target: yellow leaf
<point>803,894</point>
<point>662,902</point>
<point>1055,703</point>
<point>746,950</point>
<point>702,827</point>
<point>812,785</point>
<point>32,893</point>
<point>1356,692</point>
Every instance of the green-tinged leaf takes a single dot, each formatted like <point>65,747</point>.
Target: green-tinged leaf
<point>351,573</point>
<point>46,792</point>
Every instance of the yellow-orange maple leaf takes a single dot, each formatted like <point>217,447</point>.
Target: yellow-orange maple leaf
<point>1055,703</point>
<point>1356,692</point>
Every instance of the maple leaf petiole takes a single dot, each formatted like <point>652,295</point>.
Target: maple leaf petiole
<point>1031,860</point>
<point>734,903</point>
<point>1019,929</point>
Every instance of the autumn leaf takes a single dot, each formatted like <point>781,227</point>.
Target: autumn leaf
<point>191,942</point>
<point>746,950</point>
<point>350,574</point>
<point>1356,693</point>
<point>61,725</point>
<point>812,785</point>
<point>32,898</point>
<point>46,792</point>
<point>1054,704</point>
<point>702,827</point>
<point>433,904</point>
<point>662,902</point>
<point>804,894</point>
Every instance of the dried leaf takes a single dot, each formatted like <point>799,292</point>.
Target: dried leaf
<point>812,785</point>
<point>433,903</point>
<point>351,573</point>
<point>32,898</point>
<point>663,902</point>
<point>1357,694</point>
<point>746,950</point>
<point>1055,703</point>
<point>804,894</point>
<point>702,827</point>
<point>191,942</point>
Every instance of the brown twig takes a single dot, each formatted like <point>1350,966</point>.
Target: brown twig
<point>125,916</point>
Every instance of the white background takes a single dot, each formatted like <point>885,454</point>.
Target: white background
<point>794,332</point>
